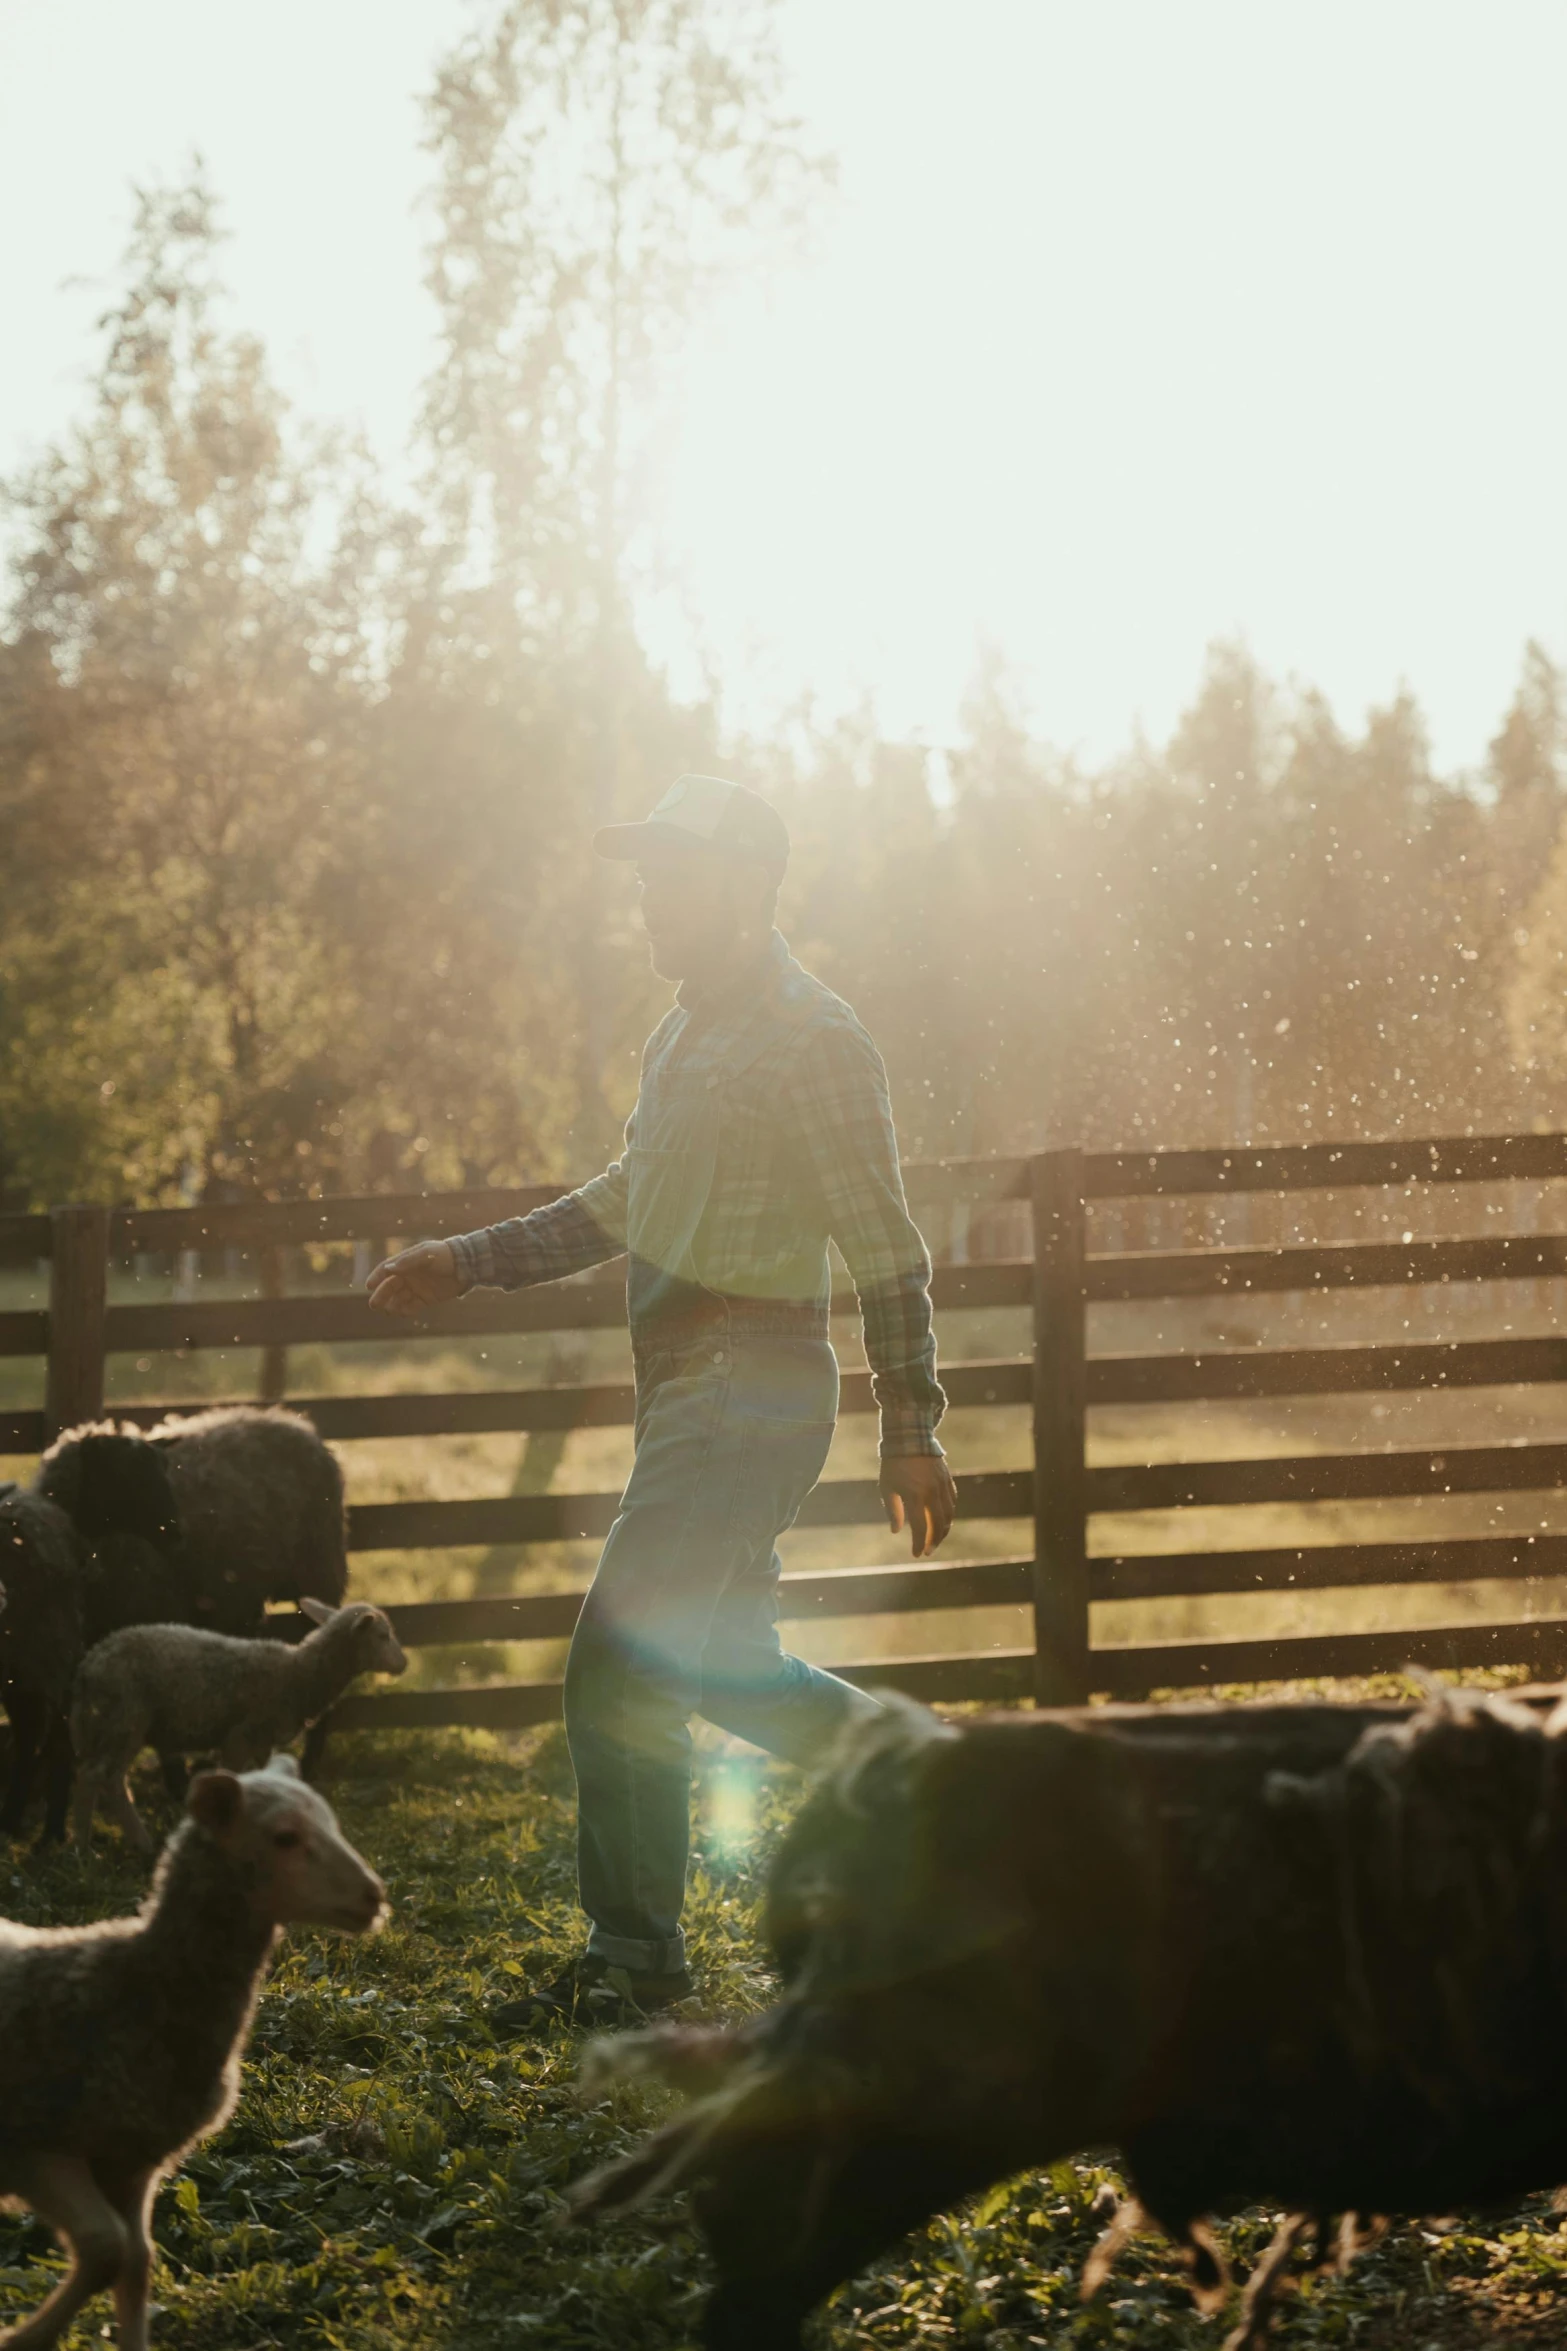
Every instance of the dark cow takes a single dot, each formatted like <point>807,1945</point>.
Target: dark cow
<point>1298,1957</point>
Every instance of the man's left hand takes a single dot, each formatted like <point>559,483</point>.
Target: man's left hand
<point>919,1494</point>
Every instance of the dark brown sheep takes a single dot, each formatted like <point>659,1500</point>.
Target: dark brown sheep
<point>74,1574</point>
<point>203,1520</point>
<point>257,1506</point>
<point>1334,1981</point>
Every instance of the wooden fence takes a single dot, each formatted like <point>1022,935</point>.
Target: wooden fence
<point>1056,1193</point>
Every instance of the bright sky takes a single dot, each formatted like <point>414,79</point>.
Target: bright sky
<point>1133,324</point>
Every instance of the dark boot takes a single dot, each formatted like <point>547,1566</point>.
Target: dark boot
<point>592,1994</point>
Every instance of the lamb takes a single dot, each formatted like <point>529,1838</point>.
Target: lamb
<point>187,1691</point>
<point>120,2043</point>
<point>1337,1987</point>
<point>255,1514</point>
<point>73,1576</point>
<point>257,1503</point>
<point>203,1520</point>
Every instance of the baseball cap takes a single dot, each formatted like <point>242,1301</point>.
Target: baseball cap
<point>709,811</point>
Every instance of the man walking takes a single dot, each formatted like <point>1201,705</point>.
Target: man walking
<point>761,1130</point>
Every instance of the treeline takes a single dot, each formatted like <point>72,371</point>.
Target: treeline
<point>296,776</point>
<point>1267,929</point>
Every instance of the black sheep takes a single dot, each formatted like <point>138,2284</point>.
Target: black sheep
<point>1333,1981</point>
<point>257,1504</point>
<point>72,1574</point>
<point>41,1567</point>
<point>203,1520</point>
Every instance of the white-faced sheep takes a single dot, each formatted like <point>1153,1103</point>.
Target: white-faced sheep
<point>185,1691</point>
<point>73,1576</point>
<point>120,2043</point>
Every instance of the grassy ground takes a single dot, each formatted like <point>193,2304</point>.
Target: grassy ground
<point>392,2175</point>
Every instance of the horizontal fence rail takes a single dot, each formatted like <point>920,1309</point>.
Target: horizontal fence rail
<point>972,1183</point>
<point>1204,1273</point>
<point>1329,1477</point>
<point>1325,1167</point>
<point>1235,1373</point>
<point>562,1518</point>
<point>1065,1568</point>
<point>1164,1575</point>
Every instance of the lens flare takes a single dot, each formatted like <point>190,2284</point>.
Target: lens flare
<point>732,1811</point>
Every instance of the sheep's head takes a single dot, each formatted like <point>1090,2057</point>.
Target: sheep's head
<point>285,1839</point>
<point>111,1481</point>
<point>366,1632</point>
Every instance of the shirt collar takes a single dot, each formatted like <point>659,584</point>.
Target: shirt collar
<point>740,988</point>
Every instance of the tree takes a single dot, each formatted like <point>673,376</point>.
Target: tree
<point>251,951</point>
<point>602,165</point>
<point>181,695</point>
<point>1526,751</point>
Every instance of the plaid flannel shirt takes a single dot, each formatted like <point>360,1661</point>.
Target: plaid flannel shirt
<point>806,1152</point>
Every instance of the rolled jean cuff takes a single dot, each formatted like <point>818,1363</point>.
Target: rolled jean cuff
<point>649,1958</point>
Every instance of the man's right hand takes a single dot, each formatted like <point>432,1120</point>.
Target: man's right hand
<point>425,1275</point>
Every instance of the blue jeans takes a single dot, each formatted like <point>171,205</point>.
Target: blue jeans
<point>731,1436</point>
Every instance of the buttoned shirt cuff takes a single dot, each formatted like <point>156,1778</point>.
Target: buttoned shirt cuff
<point>905,1429</point>
<point>474,1260</point>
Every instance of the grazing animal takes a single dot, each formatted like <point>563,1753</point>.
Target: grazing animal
<point>41,1639</point>
<point>254,1513</point>
<point>186,1691</point>
<point>120,2043</point>
<point>1334,1983</point>
<point>76,1570</point>
<point>257,1500</point>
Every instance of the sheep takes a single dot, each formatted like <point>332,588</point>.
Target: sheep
<point>257,1515</point>
<point>203,1520</point>
<point>257,1504</point>
<point>1335,1986</point>
<point>40,1638</point>
<point>73,1576</point>
<point>187,1691</point>
<point>120,2043</point>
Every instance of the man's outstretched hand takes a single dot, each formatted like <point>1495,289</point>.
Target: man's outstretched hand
<point>425,1275</point>
<point>919,1494</point>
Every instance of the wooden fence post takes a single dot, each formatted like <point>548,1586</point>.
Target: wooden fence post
<point>1060,1431</point>
<point>274,1359</point>
<point>78,1302</point>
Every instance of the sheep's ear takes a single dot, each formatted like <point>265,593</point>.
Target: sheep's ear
<point>216,1800</point>
<point>282,1767</point>
<point>318,1611</point>
<point>124,1487</point>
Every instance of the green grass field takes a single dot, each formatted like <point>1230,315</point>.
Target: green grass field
<point>392,2177</point>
